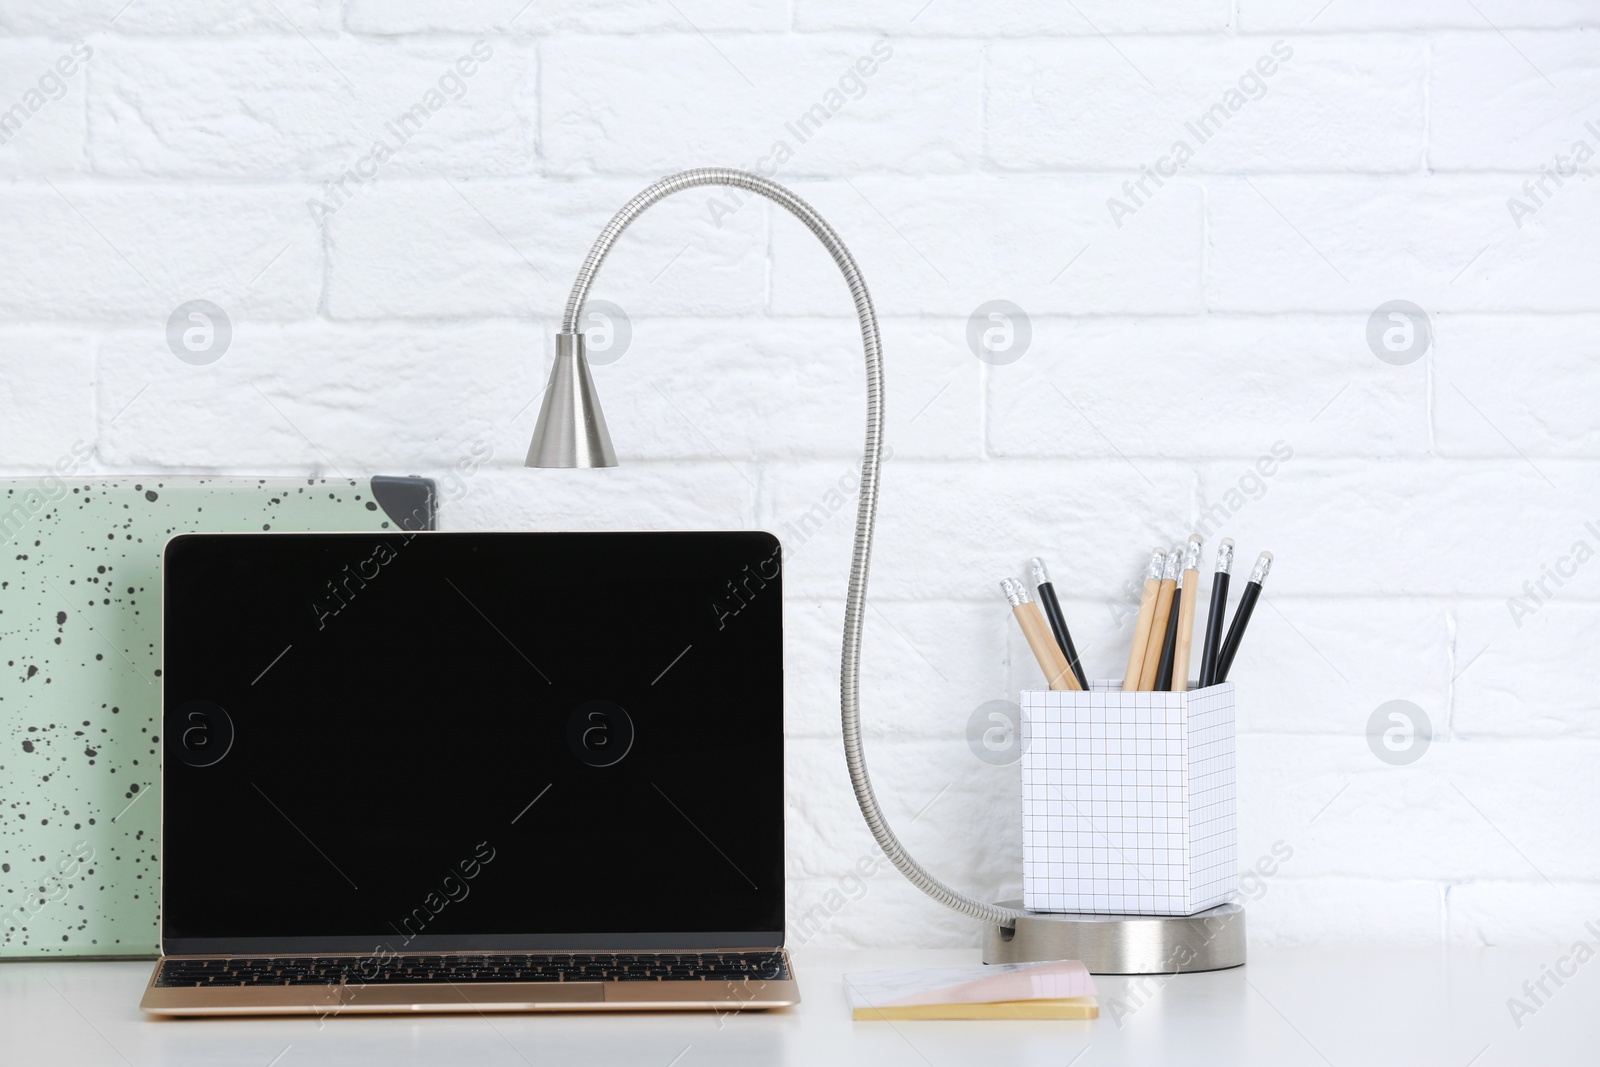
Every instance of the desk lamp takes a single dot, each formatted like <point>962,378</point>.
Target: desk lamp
<point>572,432</point>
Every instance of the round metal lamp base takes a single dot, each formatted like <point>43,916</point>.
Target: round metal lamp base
<point>1123,944</point>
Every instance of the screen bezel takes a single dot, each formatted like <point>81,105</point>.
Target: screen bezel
<point>434,944</point>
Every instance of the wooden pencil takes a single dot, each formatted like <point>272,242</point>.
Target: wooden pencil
<point>1158,621</point>
<point>1057,671</point>
<point>1189,582</point>
<point>1141,624</point>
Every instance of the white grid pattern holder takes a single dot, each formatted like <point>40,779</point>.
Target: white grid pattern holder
<point>1128,801</point>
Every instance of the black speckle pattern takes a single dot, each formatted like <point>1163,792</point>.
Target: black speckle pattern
<point>80,689</point>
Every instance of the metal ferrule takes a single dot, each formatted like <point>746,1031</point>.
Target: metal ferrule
<point>1015,592</point>
<point>1041,575</point>
<point>1169,567</point>
<point>1263,565</point>
<point>1191,553</point>
<point>1225,556</point>
<point>1158,563</point>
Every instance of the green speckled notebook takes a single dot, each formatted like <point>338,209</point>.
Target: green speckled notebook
<point>80,682</point>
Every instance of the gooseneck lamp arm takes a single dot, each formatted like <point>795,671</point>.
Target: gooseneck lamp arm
<point>572,433</point>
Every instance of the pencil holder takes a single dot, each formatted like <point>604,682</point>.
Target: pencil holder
<point>1128,803</point>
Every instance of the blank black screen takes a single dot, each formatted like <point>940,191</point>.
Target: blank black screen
<point>413,740</point>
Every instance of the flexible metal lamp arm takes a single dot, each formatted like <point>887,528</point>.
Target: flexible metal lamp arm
<point>855,603</point>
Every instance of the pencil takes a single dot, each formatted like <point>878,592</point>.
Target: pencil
<point>1141,625</point>
<point>1158,621</point>
<point>1189,581</point>
<point>1058,674</point>
<point>1169,644</point>
<point>1214,618</point>
<point>1057,620</point>
<point>1241,615</point>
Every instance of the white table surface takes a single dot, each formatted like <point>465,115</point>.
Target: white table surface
<point>1422,1006</point>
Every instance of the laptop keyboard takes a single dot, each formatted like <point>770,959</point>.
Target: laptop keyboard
<point>513,967</point>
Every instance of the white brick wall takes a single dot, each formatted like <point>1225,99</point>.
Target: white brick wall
<point>1226,312</point>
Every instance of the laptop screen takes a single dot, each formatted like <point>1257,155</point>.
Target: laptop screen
<point>472,742</point>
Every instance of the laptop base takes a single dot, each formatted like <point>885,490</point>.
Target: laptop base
<point>443,995</point>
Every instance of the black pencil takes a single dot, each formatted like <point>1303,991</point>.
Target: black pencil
<point>1057,620</point>
<point>1241,616</point>
<point>1169,648</point>
<point>1216,616</point>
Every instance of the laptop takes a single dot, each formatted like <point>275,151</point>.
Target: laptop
<point>471,772</point>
